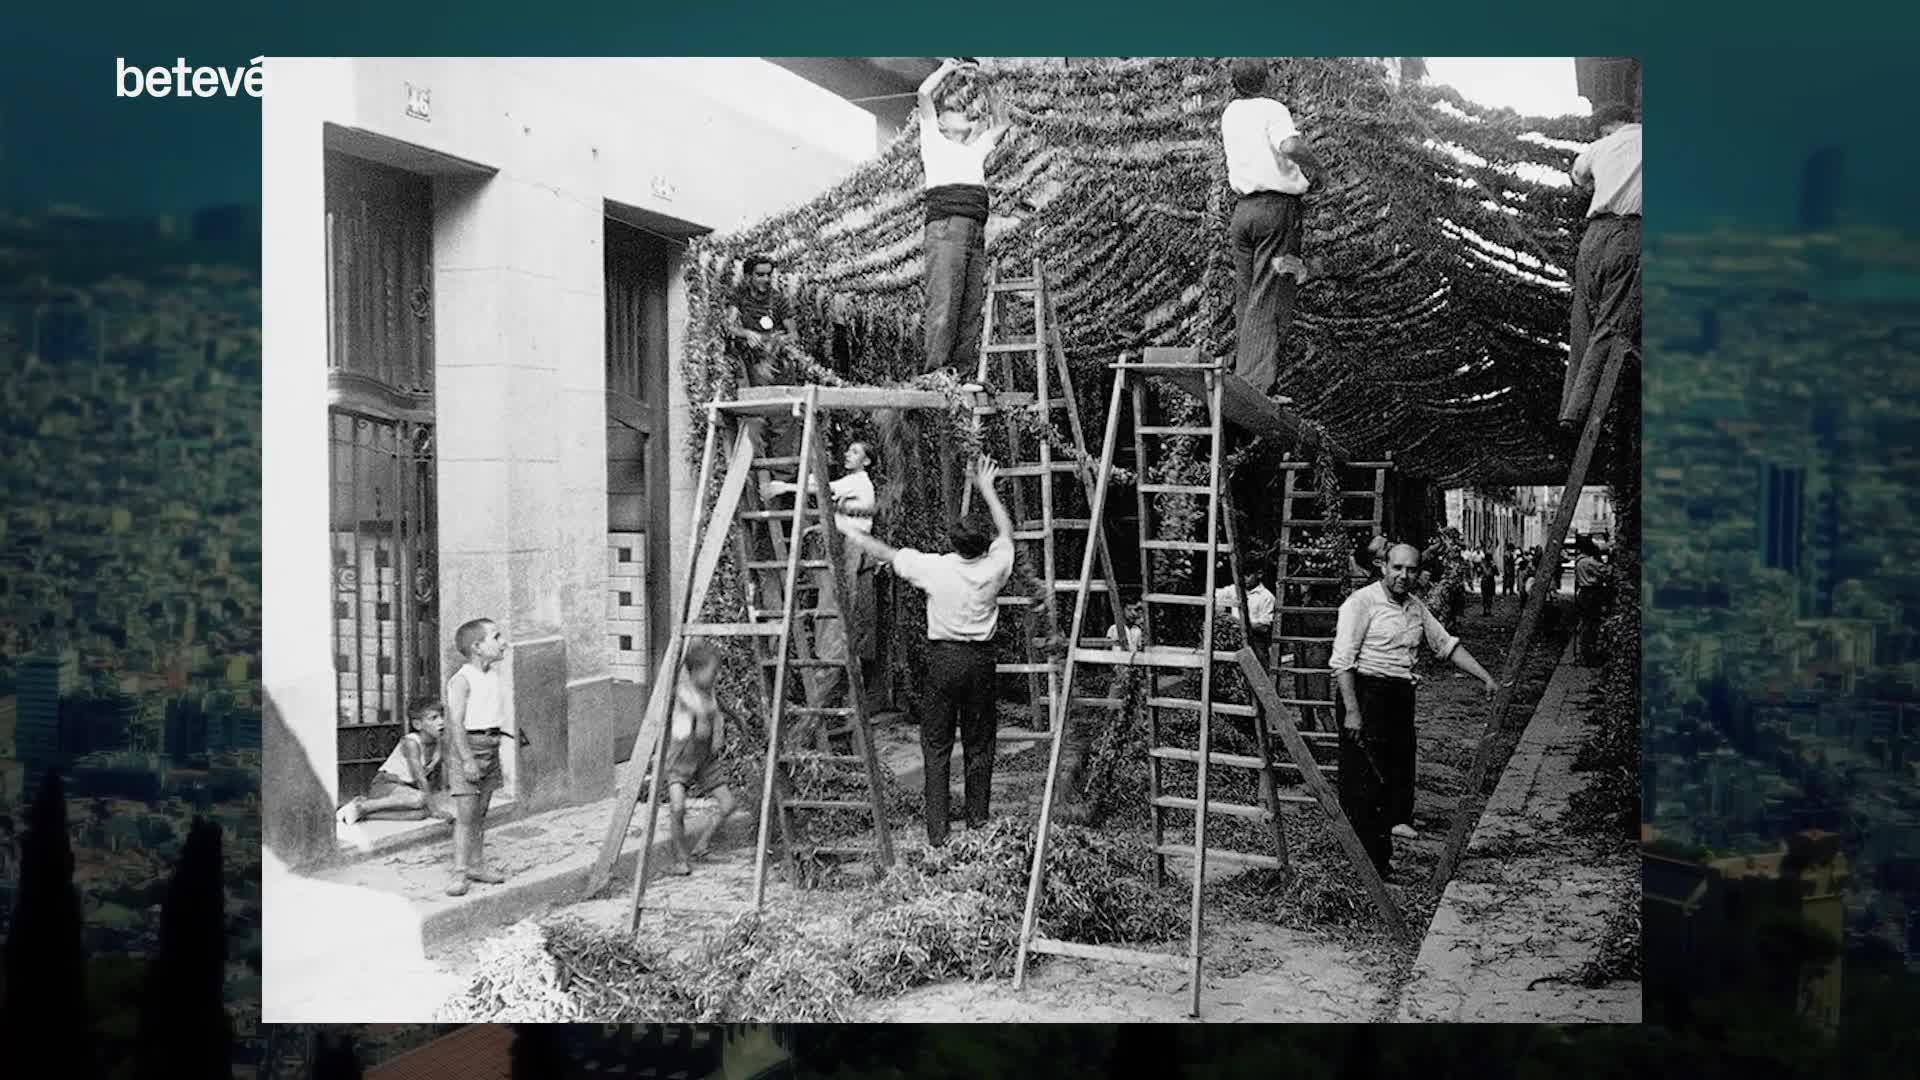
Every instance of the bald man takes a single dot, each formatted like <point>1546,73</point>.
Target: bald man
<point>1380,629</point>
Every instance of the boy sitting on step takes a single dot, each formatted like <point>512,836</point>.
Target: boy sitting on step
<point>403,788</point>
<point>695,736</point>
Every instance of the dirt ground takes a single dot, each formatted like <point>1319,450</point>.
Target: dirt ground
<point>1255,970</point>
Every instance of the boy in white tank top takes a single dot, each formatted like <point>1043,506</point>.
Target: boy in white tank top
<point>403,788</point>
<point>476,714</point>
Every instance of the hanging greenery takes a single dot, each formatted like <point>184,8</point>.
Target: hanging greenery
<point>1434,326</point>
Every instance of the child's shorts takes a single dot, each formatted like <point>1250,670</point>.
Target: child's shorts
<point>693,763</point>
<point>486,754</point>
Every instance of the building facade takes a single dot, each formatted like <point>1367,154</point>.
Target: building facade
<point>473,317</point>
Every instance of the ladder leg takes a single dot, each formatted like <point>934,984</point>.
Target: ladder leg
<point>1036,880</point>
<point>654,791</point>
<point>1156,813</point>
<point>1268,784</point>
<point>1195,945</point>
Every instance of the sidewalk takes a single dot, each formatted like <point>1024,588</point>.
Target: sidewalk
<point>547,856</point>
<point>1529,900</point>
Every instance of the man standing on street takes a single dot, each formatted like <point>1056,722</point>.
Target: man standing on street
<point>1380,628</point>
<point>954,147</point>
<point>963,593</point>
<point>1269,167</point>
<point>1606,275</point>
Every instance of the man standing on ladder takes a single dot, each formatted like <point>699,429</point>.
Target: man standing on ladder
<point>954,147</point>
<point>963,609</point>
<point>1269,167</point>
<point>1381,626</point>
<point>1606,275</point>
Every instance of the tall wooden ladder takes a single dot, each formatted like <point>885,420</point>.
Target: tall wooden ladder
<point>1022,356</point>
<point>1308,602</point>
<point>775,640</point>
<point>1130,377</point>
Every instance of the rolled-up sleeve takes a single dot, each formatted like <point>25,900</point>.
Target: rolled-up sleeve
<point>1351,627</point>
<point>911,565</point>
<point>1441,642</point>
<point>1582,170</point>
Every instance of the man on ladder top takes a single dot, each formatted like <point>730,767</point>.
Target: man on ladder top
<point>1269,168</point>
<point>954,146</point>
<point>1606,274</point>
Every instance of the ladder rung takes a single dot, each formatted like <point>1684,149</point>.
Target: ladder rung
<point>1245,858</point>
<point>1022,284</point>
<point>777,515</point>
<point>1311,494</point>
<point>703,907</point>
<point>819,710</point>
<point>830,759</point>
<point>1074,586</point>
<point>1021,735</point>
<point>732,629</point>
<point>1304,670</point>
<point>1014,346</point>
<point>1173,545</point>
<point>1175,802</point>
<point>1307,701</point>
<point>1109,954</point>
<point>774,462</point>
<point>1022,669</point>
<point>1160,429</point>
<point>833,849</point>
<point>1161,657</point>
<point>1037,470</point>
<point>1297,637</point>
<point>1174,753</point>
<point>825,804</point>
<point>1155,365</point>
<point>1177,489</point>
<point>1176,598</point>
<point>1016,601</point>
<point>1345,465</point>
<point>1224,708</point>
<point>1058,523</point>
<point>781,564</point>
<point>1298,522</point>
<point>1030,534</point>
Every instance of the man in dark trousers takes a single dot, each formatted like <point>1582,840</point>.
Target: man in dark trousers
<point>1606,274</point>
<point>954,147</point>
<point>1269,168</point>
<point>1380,628</point>
<point>963,594</point>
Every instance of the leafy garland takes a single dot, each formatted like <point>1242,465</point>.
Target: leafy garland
<point>1113,174</point>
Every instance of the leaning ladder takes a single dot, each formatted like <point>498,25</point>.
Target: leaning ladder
<point>710,532</point>
<point>1031,393</point>
<point>1304,627</point>
<point>1132,374</point>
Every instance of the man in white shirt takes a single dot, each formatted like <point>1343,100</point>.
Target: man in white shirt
<point>954,147</point>
<point>1380,628</point>
<point>1606,275</point>
<point>963,593</point>
<point>1260,608</point>
<point>1269,167</point>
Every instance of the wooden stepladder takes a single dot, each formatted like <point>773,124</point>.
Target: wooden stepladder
<point>1303,627</point>
<point>1027,363</point>
<point>789,538</point>
<point>1131,375</point>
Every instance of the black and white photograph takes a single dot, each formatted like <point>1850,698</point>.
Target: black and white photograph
<point>778,540</point>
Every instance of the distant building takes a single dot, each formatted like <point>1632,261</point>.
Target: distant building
<point>40,681</point>
<point>1782,502</point>
<point>1694,910</point>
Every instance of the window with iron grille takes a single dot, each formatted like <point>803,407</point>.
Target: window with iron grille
<point>382,520</point>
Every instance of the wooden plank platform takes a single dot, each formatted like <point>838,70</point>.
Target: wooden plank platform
<point>1240,404</point>
<point>761,400</point>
